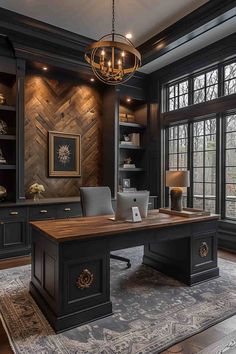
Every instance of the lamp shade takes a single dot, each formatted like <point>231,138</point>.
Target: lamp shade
<point>177,178</point>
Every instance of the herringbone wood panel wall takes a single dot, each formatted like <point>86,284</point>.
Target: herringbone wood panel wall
<point>64,107</point>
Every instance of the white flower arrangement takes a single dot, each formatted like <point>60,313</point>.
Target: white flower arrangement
<point>36,188</point>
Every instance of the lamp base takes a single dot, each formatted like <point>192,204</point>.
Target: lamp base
<point>176,199</point>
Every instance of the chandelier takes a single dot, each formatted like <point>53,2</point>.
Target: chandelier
<point>113,58</point>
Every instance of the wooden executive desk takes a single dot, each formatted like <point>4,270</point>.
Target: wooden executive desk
<point>71,264</point>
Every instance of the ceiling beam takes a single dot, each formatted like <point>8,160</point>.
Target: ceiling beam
<point>206,17</point>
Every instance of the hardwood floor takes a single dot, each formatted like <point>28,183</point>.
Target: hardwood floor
<point>5,347</point>
<point>191,345</point>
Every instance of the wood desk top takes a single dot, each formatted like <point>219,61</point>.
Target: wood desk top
<point>87,227</point>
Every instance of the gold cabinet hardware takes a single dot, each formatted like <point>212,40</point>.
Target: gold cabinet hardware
<point>85,279</point>
<point>203,250</point>
<point>14,213</point>
<point>43,211</point>
<point>67,209</point>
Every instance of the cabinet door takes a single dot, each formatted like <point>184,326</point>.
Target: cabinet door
<point>14,238</point>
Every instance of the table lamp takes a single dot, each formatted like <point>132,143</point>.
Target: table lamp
<point>178,180</point>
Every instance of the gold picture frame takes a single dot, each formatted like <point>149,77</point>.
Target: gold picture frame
<point>64,154</point>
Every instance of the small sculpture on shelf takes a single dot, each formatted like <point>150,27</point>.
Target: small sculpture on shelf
<point>36,189</point>
<point>2,158</point>
<point>2,99</point>
<point>126,140</point>
<point>3,127</point>
<point>3,193</point>
<point>128,163</point>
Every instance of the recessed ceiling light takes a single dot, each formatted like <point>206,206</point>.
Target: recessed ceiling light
<point>45,68</point>
<point>129,35</point>
<point>92,79</point>
<point>128,99</point>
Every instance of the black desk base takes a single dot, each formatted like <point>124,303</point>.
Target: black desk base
<point>71,280</point>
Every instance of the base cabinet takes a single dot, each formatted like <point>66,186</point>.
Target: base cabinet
<point>14,238</point>
<point>191,259</point>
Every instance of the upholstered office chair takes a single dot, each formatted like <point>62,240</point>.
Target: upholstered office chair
<point>97,201</point>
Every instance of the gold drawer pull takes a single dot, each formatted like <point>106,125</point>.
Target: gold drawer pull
<point>43,211</point>
<point>14,213</point>
<point>67,209</point>
<point>150,203</point>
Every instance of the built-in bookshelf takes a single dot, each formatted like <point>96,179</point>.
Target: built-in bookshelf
<point>8,131</point>
<point>132,133</point>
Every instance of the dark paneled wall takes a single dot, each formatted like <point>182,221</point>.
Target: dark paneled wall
<point>61,105</point>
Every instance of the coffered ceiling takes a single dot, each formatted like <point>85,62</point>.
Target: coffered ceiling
<point>92,18</point>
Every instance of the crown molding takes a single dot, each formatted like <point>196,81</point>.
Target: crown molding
<point>35,40</point>
<point>206,17</point>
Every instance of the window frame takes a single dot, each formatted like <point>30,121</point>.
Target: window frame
<point>190,78</point>
<point>190,165</point>
<point>224,150</point>
<point>226,63</point>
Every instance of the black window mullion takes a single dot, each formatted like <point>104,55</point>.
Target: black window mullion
<point>190,164</point>
<point>204,93</point>
<point>190,90</point>
<point>204,165</point>
<point>178,148</point>
<point>220,80</point>
<point>219,165</point>
<point>167,165</point>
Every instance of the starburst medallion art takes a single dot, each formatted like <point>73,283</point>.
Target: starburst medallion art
<point>64,155</point>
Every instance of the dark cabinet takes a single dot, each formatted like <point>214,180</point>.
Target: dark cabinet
<point>14,238</point>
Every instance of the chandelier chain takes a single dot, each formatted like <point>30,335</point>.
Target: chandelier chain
<point>113,16</point>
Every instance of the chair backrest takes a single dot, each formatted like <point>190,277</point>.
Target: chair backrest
<point>96,201</point>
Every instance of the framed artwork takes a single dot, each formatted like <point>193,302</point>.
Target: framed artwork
<point>126,183</point>
<point>64,154</point>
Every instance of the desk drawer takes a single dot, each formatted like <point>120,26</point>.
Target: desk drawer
<point>42,212</point>
<point>68,210</point>
<point>13,213</point>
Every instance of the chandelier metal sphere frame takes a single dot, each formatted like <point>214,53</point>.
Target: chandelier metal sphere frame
<point>113,58</point>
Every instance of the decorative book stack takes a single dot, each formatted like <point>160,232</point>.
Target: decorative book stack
<point>129,165</point>
<point>126,142</point>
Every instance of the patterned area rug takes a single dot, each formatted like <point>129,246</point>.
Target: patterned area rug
<point>151,312</point>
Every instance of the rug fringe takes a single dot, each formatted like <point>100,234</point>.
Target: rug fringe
<point>8,333</point>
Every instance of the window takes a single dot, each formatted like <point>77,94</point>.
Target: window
<point>230,79</point>
<point>178,146</point>
<point>205,87</point>
<point>203,157</point>
<point>178,150</point>
<point>230,166</point>
<point>178,95</point>
<point>204,164</point>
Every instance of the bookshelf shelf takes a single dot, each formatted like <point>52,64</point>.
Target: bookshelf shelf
<point>132,125</point>
<point>7,137</point>
<point>7,167</point>
<point>131,147</point>
<point>7,108</point>
<point>136,169</point>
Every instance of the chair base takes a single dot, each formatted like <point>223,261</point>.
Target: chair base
<point>122,259</point>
